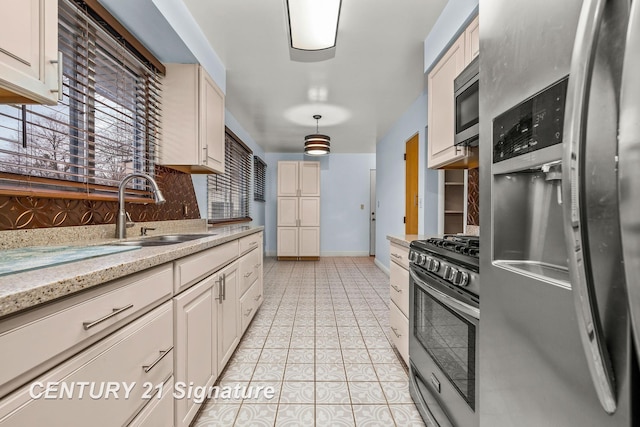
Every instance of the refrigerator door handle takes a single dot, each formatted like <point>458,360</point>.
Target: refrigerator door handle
<point>576,110</point>
<point>628,170</point>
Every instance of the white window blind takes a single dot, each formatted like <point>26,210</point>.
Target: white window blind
<point>106,126</point>
<point>259,178</point>
<point>228,193</point>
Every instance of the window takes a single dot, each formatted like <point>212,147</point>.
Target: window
<point>259,178</point>
<point>106,125</point>
<point>228,193</point>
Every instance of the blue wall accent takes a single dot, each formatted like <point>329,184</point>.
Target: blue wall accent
<point>390,180</point>
<point>454,18</point>
<point>178,16</point>
<point>344,186</point>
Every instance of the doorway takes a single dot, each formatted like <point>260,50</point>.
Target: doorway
<point>411,186</point>
<point>372,209</point>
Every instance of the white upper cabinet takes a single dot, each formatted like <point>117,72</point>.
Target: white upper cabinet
<point>298,179</point>
<point>29,52</point>
<point>442,152</point>
<point>193,120</point>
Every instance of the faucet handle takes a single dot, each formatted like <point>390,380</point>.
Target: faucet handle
<point>143,230</point>
<point>129,222</point>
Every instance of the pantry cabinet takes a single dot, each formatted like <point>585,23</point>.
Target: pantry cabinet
<point>29,52</point>
<point>442,153</point>
<point>193,130</point>
<point>298,210</point>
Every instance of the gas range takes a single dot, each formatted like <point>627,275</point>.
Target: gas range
<point>452,258</point>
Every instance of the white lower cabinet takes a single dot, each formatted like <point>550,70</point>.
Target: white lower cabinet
<point>399,325</point>
<point>159,411</point>
<point>139,355</point>
<point>399,293</point>
<point>196,360</point>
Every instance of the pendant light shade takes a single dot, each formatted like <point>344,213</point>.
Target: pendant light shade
<point>317,144</point>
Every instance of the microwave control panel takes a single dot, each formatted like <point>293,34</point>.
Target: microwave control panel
<point>533,124</point>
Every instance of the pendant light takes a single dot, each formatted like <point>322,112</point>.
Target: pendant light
<point>317,144</point>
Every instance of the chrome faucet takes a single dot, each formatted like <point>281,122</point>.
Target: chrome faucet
<point>121,221</point>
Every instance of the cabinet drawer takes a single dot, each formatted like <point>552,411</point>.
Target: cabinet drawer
<point>159,411</point>
<point>37,342</point>
<point>195,267</point>
<point>249,304</point>
<point>400,254</point>
<point>399,325</point>
<point>399,287</point>
<point>250,242</point>
<point>123,357</point>
<point>249,269</point>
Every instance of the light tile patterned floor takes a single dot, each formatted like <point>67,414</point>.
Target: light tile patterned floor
<point>320,340</point>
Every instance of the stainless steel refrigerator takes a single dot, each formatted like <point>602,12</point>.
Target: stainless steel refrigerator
<point>560,212</point>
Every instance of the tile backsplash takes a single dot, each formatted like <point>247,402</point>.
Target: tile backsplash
<point>473,198</point>
<point>22,212</point>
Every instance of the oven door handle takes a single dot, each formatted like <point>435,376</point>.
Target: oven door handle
<point>445,299</point>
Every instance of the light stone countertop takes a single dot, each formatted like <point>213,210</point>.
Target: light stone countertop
<point>23,290</point>
<point>405,240</point>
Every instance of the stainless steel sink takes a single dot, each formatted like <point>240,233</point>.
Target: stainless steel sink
<point>167,239</point>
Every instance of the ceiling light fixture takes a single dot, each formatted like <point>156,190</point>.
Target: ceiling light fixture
<point>313,29</point>
<point>317,144</point>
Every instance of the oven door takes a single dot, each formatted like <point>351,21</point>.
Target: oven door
<point>443,350</point>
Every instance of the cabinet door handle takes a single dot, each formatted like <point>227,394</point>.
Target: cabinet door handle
<point>396,256</point>
<point>257,266</point>
<point>258,298</point>
<point>219,283</point>
<point>248,312</point>
<point>163,353</point>
<point>224,286</point>
<point>395,331</point>
<point>248,274</point>
<point>59,61</point>
<point>395,288</point>
<point>115,312</point>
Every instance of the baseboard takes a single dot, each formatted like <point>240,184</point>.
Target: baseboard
<point>327,254</point>
<point>382,267</point>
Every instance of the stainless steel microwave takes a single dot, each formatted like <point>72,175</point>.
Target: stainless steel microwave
<point>465,88</point>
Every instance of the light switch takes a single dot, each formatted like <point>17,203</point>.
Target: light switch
<point>361,207</point>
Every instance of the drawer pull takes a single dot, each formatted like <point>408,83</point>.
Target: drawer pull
<point>395,331</point>
<point>396,256</point>
<point>395,288</point>
<point>248,312</point>
<point>257,266</point>
<point>163,353</point>
<point>253,244</point>
<point>248,274</point>
<point>258,298</point>
<point>115,312</point>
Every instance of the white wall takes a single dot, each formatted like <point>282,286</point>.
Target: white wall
<point>256,209</point>
<point>390,180</point>
<point>344,186</point>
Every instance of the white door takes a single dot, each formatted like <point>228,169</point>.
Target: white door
<point>195,345</point>
<point>287,178</point>
<point>309,243</point>
<point>309,212</point>
<point>288,211</point>
<point>372,215</point>
<point>288,241</point>
<point>229,322</point>
<point>309,179</point>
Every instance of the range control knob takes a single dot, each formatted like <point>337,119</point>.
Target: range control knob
<point>451,274</point>
<point>433,265</point>
<point>461,279</point>
<point>413,256</point>
<point>422,259</point>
